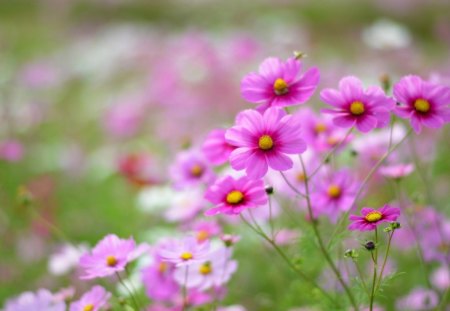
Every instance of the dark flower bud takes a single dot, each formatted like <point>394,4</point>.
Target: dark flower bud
<point>269,189</point>
<point>370,245</point>
<point>351,253</point>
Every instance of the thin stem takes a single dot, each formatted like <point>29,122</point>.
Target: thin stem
<point>391,234</point>
<point>128,290</point>
<point>291,185</point>
<point>184,289</point>
<point>414,233</point>
<point>321,243</point>
<point>327,156</point>
<point>375,264</point>
<point>361,276</point>
<point>287,260</point>
<point>271,218</point>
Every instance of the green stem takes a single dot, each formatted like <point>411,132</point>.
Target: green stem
<point>391,234</point>
<point>128,290</point>
<point>361,276</point>
<point>375,264</point>
<point>321,243</point>
<point>327,156</point>
<point>288,261</point>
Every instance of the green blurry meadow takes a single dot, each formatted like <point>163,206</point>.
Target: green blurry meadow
<point>100,52</point>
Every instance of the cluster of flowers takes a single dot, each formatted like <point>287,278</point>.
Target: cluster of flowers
<point>268,145</point>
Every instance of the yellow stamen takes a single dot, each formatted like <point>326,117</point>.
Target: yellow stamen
<point>196,170</point>
<point>334,191</point>
<point>265,142</point>
<point>280,87</point>
<point>186,256</point>
<point>301,177</point>
<point>88,307</point>
<point>373,216</point>
<point>357,108</point>
<point>320,128</point>
<point>203,235</point>
<point>111,261</point>
<point>205,268</point>
<point>422,105</point>
<point>235,197</point>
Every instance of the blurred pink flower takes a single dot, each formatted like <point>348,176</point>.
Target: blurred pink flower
<point>190,169</point>
<point>42,300</point>
<point>215,148</point>
<point>419,299</point>
<point>184,251</point>
<point>396,171</point>
<point>11,150</point>
<point>109,256</point>
<point>93,300</point>
<point>279,84</point>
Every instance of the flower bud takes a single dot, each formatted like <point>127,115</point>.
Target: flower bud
<point>370,246</point>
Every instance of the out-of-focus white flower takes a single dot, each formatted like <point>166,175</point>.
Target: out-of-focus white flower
<point>66,259</point>
<point>155,198</point>
<point>386,35</point>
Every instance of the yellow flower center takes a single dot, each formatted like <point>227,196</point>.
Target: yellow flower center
<point>111,261</point>
<point>301,177</point>
<point>88,307</point>
<point>205,268</point>
<point>422,105</point>
<point>357,108</point>
<point>280,87</point>
<point>202,235</point>
<point>196,170</point>
<point>235,197</point>
<point>373,216</point>
<point>334,191</point>
<point>163,267</point>
<point>186,256</point>
<point>320,128</point>
<point>265,142</point>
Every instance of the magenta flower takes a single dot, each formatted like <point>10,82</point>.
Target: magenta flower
<point>93,300</point>
<point>185,251</point>
<point>232,196</point>
<point>371,218</point>
<point>263,141</point>
<point>354,106</point>
<point>334,193</point>
<point>42,300</point>
<point>109,256</point>
<point>279,84</point>
<point>190,169</point>
<point>423,102</point>
<point>215,148</point>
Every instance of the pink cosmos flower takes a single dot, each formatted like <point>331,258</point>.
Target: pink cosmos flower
<point>65,259</point>
<point>232,196</point>
<point>213,271</point>
<point>93,300</point>
<point>215,148</point>
<point>158,280</point>
<point>425,103</point>
<point>190,169</point>
<point>138,168</point>
<point>279,84</point>
<point>371,218</point>
<point>420,299</point>
<point>185,251</point>
<point>263,141</point>
<point>396,171</point>
<point>109,256</point>
<point>333,193</point>
<point>367,109</point>
<point>205,230</point>
<point>42,300</point>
